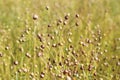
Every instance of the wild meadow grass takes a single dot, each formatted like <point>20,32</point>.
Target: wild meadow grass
<point>59,39</point>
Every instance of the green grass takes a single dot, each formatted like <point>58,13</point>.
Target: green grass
<point>82,47</point>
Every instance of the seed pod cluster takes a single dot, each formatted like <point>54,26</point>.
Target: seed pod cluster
<point>54,45</point>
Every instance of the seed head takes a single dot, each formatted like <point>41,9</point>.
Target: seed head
<point>64,23</point>
<point>1,54</point>
<point>65,72</point>
<point>105,51</point>
<point>95,74</point>
<point>52,37</point>
<point>77,15</point>
<point>60,20</point>
<point>35,17</point>
<point>6,48</point>
<point>77,24</point>
<point>28,55</point>
<point>49,25</point>
<point>60,63</point>
<point>60,44</point>
<point>68,78</point>
<point>59,75</point>
<point>118,64</point>
<point>48,43</point>
<point>90,67</point>
<point>67,16</point>
<point>42,46</point>
<point>16,63</point>
<point>32,74</point>
<point>70,33</point>
<point>69,40</point>
<point>40,54</point>
<point>106,64</point>
<point>19,70</point>
<point>47,7</point>
<point>25,70</point>
<point>40,37</point>
<point>82,67</point>
<point>54,45</point>
<point>42,75</point>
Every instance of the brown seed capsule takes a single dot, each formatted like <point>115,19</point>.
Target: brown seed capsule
<point>77,15</point>
<point>22,35</point>
<point>101,79</point>
<point>49,25</point>
<point>1,54</point>
<point>49,35</point>
<point>82,67</point>
<point>35,17</point>
<point>33,79</point>
<point>29,29</point>
<point>67,16</point>
<point>52,37</point>
<point>64,23</point>
<point>42,46</point>
<point>106,64</point>
<point>60,28</point>
<point>65,72</point>
<point>88,40</point>
<point>68,78</point>
<point>90,67</point>
<point>6,48</point>
<point>83,52</point>
<point>118,64</point>
<point>77,24</point>
<point>113,69</point>
<point>26,31</point>
<point>47,7</point>
<point>40,37</point>
<point>32,74</point>
<point>66,62</point>
<point>69,73</point>
<point>59,75</point>
<point>54,45</point>
<point>50,67</point>
<point>96,58</point>
<point>76,62</point>
<point>19,70</point>
<point>69,40</point>
<point>28,55</point>
<point>60,44</point>
<point>71,46</point>
<point>60,20</point>
<point>118,39</point>
<point>25,70</point>
<point>16,63</point>
<point>70,33</point>
<point>58,23</point>
<point>48,43</point>
<point>40,54</point>
<point>62,57</point>
<point>105,51</point>
<point>60,63</point>
<point>42,75</point>
<point>54,61</point>
<point>95,74</point>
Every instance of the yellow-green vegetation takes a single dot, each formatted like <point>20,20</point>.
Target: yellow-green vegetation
<point>59,39</point>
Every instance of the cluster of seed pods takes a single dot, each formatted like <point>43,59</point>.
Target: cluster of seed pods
<point>65,51</point>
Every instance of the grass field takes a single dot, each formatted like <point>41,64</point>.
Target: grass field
<point>59,39</point>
